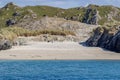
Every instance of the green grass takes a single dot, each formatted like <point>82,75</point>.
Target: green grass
<point>104,10</point>
<point>44,10</point>
<point>53,11</point>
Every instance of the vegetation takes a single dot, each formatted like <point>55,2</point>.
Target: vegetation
<point>8,11</point>
<point>10,33</point>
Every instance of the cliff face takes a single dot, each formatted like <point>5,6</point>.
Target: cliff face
<point>105,38</point>
<point>91,16</point>
<point>114,44</point>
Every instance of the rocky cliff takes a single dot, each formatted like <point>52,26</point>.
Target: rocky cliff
<point>108,38</point>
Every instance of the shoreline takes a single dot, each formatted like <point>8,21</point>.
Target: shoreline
<point>57,51</point>
<point>59,59</point>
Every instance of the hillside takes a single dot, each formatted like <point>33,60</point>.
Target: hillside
<point>93,14</point>
<point>56,24</point>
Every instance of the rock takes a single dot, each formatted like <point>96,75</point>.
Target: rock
<point>105,38</point>
<point>21,41</point>
<point>5,44</point>
<point>114,44</point>
<point>91,16</point>
<point>10,22</point>
<point>94,39</point>
<point>8,5</point>
<point>16,14</point>
<point>34,15</point>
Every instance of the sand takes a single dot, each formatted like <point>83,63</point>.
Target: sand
<point>57,51</point>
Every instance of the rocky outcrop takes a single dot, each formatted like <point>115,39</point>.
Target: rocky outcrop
<point>5,44</point>
<point>94,39</point>
<point>114,44</point>
<point>105,38</point>
<point>91,16</point>
<point>10,6</point>
<point>10,22</point>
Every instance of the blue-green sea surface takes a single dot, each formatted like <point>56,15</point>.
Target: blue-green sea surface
<point>60,70</point>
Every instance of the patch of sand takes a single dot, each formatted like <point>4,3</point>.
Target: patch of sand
<point>56,51</point>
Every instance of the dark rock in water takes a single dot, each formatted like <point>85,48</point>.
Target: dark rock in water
<point>102,37</point>
<point>5,45</point>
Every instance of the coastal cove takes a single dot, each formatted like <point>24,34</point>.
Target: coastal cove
<point>59,40</point>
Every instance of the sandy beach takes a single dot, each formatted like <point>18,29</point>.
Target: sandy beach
<point>56,51</point>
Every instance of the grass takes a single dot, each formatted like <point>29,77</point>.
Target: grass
<point>6,34</point>
<point>11,33</point>
<point>51,12</point>
<point>104,10</point>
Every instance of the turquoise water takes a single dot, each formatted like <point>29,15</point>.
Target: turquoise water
<point>60,70</point>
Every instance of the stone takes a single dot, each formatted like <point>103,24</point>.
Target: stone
<point>16,14</point>
<point>5,44</point>
<point>10,22</point>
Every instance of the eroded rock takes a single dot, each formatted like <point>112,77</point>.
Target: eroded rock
<point>105,38</point>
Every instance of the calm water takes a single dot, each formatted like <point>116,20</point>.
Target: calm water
<point>60,70</point>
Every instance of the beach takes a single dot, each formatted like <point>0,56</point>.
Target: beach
<point>57,51</point>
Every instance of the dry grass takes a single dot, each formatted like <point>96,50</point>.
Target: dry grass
<point>11,33</point>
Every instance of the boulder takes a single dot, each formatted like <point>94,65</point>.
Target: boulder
<point>10,22</point>
<point>5,44</point>
<point>16,14</point>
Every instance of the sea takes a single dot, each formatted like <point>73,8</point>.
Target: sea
<point>59,69</point>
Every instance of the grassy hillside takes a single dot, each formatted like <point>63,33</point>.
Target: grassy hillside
<point>78,14</point>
